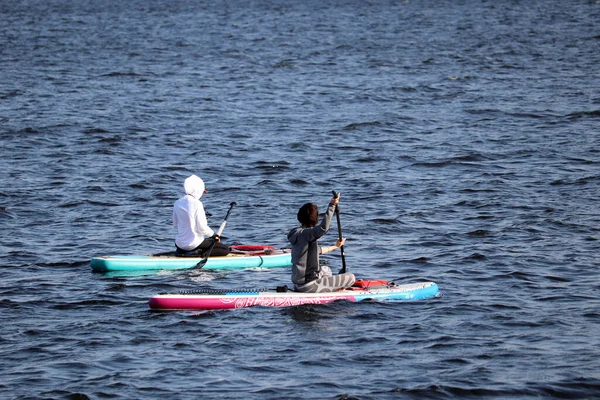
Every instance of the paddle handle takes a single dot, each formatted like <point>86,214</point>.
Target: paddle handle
<point>339,224</point>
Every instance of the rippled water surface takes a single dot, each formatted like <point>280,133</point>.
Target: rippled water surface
<point>463,136</point>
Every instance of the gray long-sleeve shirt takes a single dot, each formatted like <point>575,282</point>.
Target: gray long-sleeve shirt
<point>305,250</point>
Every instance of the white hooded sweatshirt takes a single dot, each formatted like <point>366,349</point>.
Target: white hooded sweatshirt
<point>189,217</point>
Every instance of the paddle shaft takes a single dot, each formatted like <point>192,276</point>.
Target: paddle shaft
<point>222,227</point>
<point>202,262</point>
<point>339,224</point>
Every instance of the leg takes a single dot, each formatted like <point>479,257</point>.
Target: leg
<point>328,283</point>
<point>218,251</point>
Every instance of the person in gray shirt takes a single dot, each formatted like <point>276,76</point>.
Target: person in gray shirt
<point>307,274</point>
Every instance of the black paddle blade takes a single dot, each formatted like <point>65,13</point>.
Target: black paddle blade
<point>201,263</point>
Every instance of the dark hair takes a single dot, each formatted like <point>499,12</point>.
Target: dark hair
<point>308,215</point>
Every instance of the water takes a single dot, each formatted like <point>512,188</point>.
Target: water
<point>463,136</point>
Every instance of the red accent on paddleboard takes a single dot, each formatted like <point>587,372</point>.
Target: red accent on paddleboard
<point>366,283</point>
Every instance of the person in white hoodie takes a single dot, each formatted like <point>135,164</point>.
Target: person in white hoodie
<point>194,236</point>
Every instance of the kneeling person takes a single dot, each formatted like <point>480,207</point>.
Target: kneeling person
<point>307,274</point>
<point>194,236</point>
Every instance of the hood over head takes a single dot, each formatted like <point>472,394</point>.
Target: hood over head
<point>293,235</point>
<point>194,186</point>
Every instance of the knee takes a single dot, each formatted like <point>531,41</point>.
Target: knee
<point>351,278</point>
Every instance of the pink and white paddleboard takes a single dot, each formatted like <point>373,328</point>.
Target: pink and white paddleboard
<point>220,300</point>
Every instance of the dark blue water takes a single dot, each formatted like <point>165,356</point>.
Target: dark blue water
<point>463,136</point>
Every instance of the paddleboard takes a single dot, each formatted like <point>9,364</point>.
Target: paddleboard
<point>236,260</point>
<point>221,300</point>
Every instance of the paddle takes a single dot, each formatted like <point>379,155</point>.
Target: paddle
<point>202,262</point>
<point>339,224</point>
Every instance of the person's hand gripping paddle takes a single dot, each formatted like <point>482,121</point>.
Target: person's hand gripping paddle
<point>337,215</point>
<point>202,262</point>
